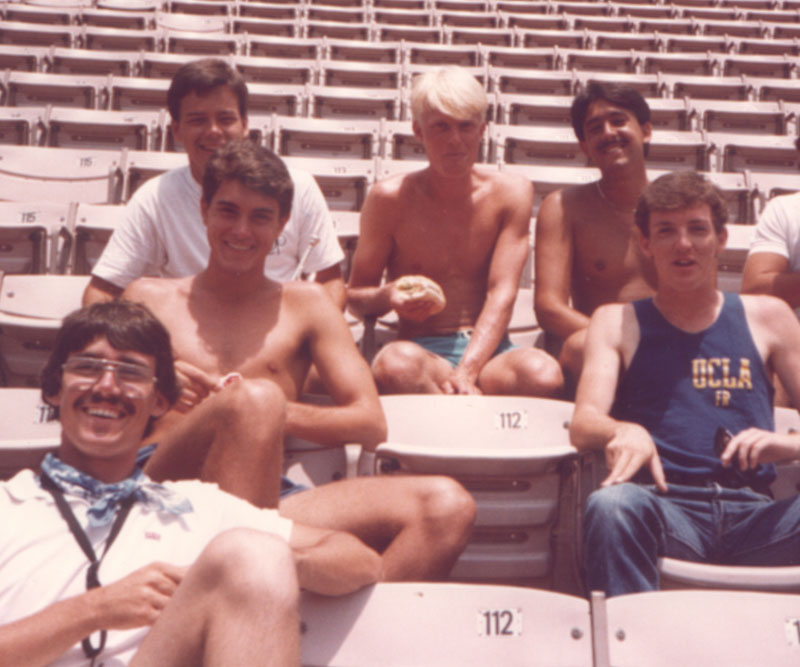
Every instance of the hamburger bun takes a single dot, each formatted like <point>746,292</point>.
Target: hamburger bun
<point>422,288</point>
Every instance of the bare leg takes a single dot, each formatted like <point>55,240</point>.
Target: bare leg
<point>420,523</point>
<point>237,605</point>
<point>522,372</point>
<point>403,367</point>
<point>234,438</point>
<point>571,356</point>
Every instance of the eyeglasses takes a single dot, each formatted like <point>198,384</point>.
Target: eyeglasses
<point>132,378</point>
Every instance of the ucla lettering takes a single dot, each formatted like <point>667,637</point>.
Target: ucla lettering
<point>718,373</point>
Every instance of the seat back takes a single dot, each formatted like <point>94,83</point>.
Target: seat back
<point>438,624</point>
<point>513,454</point>
<point>29,430</point>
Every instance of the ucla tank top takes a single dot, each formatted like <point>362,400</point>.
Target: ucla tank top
<point>683,386</point>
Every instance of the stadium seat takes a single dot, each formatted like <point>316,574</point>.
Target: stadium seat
<point>344,183</point>
<point>121,39</point>
<point>534,82</point>
<point>40,88</point>
<point>363,52</point>
<point>91,226</point>
<point>743,117</point>
<point>539,110</point>
<point>260,69</point>
<point>29,431</point>
<point>60,60</point>
<point>139,166</point>
<point>28,230</point>
<point>547,179</point>
<point>31,310</point>
<point>29,173</point>
<point>138,93</point>
<point>359,75</point>
<point>513,454</point>
<point>310,464</point>
<point>336,30</point>
<point>283,46</point>
<point>753,152</point>
<point>398,624</point>
<point>327,138</point>
<point>23,33</point>
<point>22,58</point>
<point>354,103</point>
<point>20,126</point>
<point>678,150</point>
<point>669,628</point>
<point>94,128</point>
<point>542,146</point>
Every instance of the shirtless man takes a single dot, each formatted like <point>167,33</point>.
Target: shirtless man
<point>465,228</point>
<point>586,249</point>
<point>163,234</point>
<point>231,319</point>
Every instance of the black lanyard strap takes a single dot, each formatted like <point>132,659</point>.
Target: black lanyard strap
<point>92,580</point>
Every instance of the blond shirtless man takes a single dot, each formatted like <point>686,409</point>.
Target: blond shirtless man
<point>239,335</point>
<point>467,230</point>
<point>586,249</point>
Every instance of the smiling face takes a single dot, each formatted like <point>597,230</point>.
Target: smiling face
<point>104,415</point>
<point>613,136</point>
<point>207,122</point>
<point>684,246</point>
<point>242,226</point>
<point>451,144</point>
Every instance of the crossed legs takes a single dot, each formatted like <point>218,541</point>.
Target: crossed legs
<point>237,605</point>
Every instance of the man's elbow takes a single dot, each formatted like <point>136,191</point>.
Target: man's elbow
<point>99,290</point>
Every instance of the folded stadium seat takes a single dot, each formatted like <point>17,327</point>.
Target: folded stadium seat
<point>486,20</point>
<point>769,47</point>
<point>202,43</point>
<point>616,41</point>
<point>354,103</point>
<point>397,624</point>
<point>139,166</point>
<point>20,126</point>
<point>137,93</point>
<point>31,310</point>
<point>710,87</point>
<point>216,7</point>
<point>542,146</point>
<point>40,88</point>
<point>532,7</point>
<point>741,28</point>
<point>670,113</point>
<point>400,142</point>
<point>488,36</point>
<point>23,33</point>
<point>626,62</point>
<point>337,14</point>
<point>120,39</point>
<point>281,99</point>
<point>344,183</point>
<point>786,31</point>
<point>565,39</point>
<point>369,52</point>
<point>465,55</point>
<point>768,185</point>
<point>131,5</point>
<point>770,13</point>
<point>91,226</point>
<point>731,260</point>
<point>51,14</point>
<point>541,82</point>
<point>360,75</point>
<point>739,191</point>
<point>94,128</point>
<point>30,429</point>
<point>326,138</point>
<point>745,117</point>
<point>412,16</point>
<point>739,152</point>
<point>544,58</point>
<point>583,8</point>
<point>547,179</point>
<point>22,58</point>
<point>29,173</point>
<point>668,26</point>
<point>117,18</point>
<point>646,11</point>
<point>710,13</point>
<point>525,21</point>
<point>346,224</point>
<point>604,23</point>
<point>668,628</point>
<point>281,47</point>
<point>261,29</point>
<point>409,33</point>
<point>787,90</point>
<point>270,10</point>
<point>649,85</point>
<point>336,30</point>
<point>693,64</point>
<point>678,150</point>
<point>161,65</point>
<point>28,231</point>
<point>539,110</point>
<point>781,67</point>
<point>513,454</point>
<point>59,60</point>
<point>261,69</point>
<point>698,43</point>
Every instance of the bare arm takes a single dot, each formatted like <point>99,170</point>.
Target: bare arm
<point>98,290</point>
<point>553,251</point>
<point>508,258</point>
<point>132,602</point>
<point>333,282</point>
<point>333,563</point>
<point>768,273</point>
<point>628,446</point>
<point>365,294</point>
<point>357,416</point>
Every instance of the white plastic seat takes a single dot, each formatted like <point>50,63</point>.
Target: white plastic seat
<point>277,70</point>
<point>361,75</point>
<point>543,146</point>
<point>23,33</point>
<point>541,82</point>
<point>86,61</point>
<point>30,173</point>
<point>344,183</point>
<point>40,88</point>
<point>92,226</point>
<point>111,130</point>
<point>139,166</point>
<point>443,624</point>
<point>547,179</point>
<point>741,117</point>
<point>27,230</point>
<point>337,30</point>
<point>678,150</point>
<point>669,628</point>
<point>740,152</point>
<point>31,310</point>
<point>20,126</point>
<point>354,103</point>
<point>138,93</point>
<point>322,137</point>
<point>29,430</point>
<point>513,454</point>
<point>102,38</point>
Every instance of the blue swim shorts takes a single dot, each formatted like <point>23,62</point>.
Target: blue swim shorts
<point>452,346</point>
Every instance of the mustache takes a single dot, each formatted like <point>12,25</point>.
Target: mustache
<point>610,142</point>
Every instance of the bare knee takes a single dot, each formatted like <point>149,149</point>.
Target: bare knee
<point>243,566</point>
<point>399,368</point>
<point>524,372</point>
<point>446,506</point>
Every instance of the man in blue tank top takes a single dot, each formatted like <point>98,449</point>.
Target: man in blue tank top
<point>676,391</point>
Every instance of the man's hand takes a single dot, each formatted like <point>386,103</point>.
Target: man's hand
<point>416,298</point>
<point>753,446</point>
<point>629,450</point>
<point>459,382</point>
<point>138,599</point>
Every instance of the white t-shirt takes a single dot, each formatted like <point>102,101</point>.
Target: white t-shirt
<point>41,562</point>
<point>778,230</point>
<point>163,233</point>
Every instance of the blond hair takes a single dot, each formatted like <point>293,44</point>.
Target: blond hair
<point>450,90</point>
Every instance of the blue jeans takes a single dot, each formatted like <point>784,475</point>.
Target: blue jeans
<point>627,527</point>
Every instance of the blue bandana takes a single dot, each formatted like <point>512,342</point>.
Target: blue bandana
<point>106,497</point>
